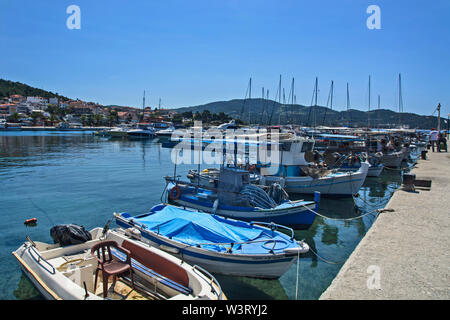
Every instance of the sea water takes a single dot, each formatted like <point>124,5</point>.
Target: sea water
<point>76,177</point>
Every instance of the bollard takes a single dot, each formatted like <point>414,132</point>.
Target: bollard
<point>423,154</point>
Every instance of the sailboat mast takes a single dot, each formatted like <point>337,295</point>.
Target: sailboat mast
<point>250,98</point>
<point>279,100</point>
<point>348,106</point>
<point>400,102</point>
<point>368,113</point>
<point>143,107</point>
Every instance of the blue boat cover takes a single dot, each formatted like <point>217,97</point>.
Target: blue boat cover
<point>198,228</point>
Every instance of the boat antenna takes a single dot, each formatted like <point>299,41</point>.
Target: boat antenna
<point>143,107</point>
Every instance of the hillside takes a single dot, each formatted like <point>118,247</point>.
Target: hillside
<point>271,112</point>
<point>9,88</point>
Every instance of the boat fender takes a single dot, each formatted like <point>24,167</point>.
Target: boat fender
<point>175,193</point>
<point>30,221</point>
<point>215,206</point>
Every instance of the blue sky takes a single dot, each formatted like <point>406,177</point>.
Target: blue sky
<point>194,52</point>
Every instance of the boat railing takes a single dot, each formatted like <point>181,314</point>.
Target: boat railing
<point>209,277</point>
<point>274,226</point>
<point>39,259</point>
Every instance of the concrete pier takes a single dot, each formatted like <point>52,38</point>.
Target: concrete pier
<point>406,253</point>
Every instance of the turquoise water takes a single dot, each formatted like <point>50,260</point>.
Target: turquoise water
<point>75,177</point>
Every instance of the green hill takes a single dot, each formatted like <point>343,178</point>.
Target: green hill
<point>261,111</point>
<point>9,88</point>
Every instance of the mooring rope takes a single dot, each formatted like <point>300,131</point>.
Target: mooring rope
<point>325,260</point>
<point>348,219</point>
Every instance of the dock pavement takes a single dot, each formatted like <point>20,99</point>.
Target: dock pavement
<point>405,255</point>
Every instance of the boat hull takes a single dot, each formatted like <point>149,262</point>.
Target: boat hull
<point>337,184</point>
<point>392,160</point>
<point>267,266</point>
<point>298,214</point>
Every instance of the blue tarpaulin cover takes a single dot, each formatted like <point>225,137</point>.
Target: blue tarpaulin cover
<point>194,228</point>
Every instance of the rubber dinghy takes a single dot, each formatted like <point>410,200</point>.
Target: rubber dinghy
<point>220,245</point>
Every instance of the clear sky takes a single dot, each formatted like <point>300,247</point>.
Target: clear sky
<point>198,51</point>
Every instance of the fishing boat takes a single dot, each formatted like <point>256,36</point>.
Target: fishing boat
<point>352,163</point>
<point>70,272</point>
<point>299,171</point>
<point>220,245</point>
<point>236,197</point>
<point>209,178</point>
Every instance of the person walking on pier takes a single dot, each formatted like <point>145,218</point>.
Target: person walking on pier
<point>434,139</point>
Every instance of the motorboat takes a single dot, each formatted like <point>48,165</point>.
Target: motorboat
<point>71,272</point>
<point>143,131</point>
<point>219,245</point>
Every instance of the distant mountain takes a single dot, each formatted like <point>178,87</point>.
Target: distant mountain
<point>9,88</point>
<point>271,112</point>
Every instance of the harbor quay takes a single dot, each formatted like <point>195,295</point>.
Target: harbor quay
<point>405,254</point>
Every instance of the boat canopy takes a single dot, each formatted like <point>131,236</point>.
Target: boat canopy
<point>197,228</point>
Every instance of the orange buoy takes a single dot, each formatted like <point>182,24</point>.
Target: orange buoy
<point>175,193</point>
<point>30,221</point>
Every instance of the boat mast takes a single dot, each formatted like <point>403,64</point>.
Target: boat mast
<point>368,113</point>
<point>250,99</point>
<point>400,99</point>
<point>279,100</point>
<point>348,106</point>
<point>143,107</point>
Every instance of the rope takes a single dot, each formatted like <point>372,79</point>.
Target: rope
<point>296,282</point>
<point>349,219</point>
<point>325,260</point>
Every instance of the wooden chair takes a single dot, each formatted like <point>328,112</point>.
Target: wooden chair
<point>108,266</point>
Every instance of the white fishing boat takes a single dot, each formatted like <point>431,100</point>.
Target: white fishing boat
<point>220,245</point>
<point>71,272</point>
<point>297,174</point>
<point>392,159</point>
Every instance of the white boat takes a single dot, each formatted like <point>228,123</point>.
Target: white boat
<point>334,183</point>
<point>294,173</point>
<point>220,245</point>
<point>165,134</point>
<point>2,124</point>
<point>374,170</point>
<point>68,272</point>
<point>118,132</point>
<point>392,159</point>
<point>143,131</point>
